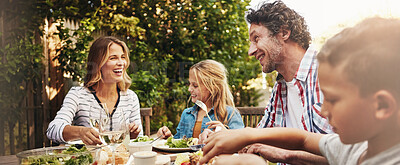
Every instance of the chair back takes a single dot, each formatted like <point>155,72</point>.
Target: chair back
<point>145,114</point>
<point>251,115</point>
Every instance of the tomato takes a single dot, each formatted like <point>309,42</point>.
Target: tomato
<point>185,163</point>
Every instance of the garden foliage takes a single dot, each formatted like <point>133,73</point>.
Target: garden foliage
<point>165,38</point>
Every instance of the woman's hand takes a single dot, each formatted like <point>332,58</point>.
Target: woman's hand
<point>164,131</point>
<point>134,130</point>
<point>217,125</point>
<point>89,136</point>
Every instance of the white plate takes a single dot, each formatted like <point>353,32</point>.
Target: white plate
<point>160,145</point>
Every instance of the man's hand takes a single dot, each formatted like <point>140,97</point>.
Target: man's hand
<point>134,130</point>
<point>89,136</point>
<point>165,132</point>
<point>241,159</point>
<point>275,154</point>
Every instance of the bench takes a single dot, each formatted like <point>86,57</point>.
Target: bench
<point>145,114</point>
<point>251,115</point>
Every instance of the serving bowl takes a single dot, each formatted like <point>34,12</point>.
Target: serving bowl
<point>55,155</point>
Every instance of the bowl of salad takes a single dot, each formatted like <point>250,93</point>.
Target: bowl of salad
<point>74,154</point>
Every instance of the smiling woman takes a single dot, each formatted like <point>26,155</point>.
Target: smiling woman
<point>106,82</point>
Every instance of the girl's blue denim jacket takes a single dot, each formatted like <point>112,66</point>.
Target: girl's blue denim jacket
<point>188,119</point>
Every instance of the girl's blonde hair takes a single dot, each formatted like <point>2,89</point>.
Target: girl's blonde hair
<point>213,76</point>
<point>98,56</point>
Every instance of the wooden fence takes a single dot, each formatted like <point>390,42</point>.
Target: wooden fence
<point>43,99</point>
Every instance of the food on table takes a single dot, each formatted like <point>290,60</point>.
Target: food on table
<point>71,156</point>
<point>181,143</point>
<point>104,156</point>
<point>182,158</point>
<point>190,158</point>
<point>143,139</point>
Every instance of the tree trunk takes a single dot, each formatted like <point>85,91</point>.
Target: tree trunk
<point>2,149</point>
<point>11,125</point>
<point>30,116</point>
<point>20,145</point>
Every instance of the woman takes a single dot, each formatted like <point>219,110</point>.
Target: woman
<point>107,82</point>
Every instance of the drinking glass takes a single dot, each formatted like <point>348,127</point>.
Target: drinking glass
<point>113,128</point>
<point>94,116</point>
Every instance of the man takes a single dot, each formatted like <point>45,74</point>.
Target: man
<point>280,41</point>
<point>364,112</point>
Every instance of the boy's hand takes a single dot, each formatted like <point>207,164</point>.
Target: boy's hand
<point>164,131</point>
<point>225,142</point>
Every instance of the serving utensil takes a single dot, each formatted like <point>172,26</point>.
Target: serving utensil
<point>155,139</point>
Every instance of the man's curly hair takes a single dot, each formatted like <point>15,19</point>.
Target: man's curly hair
<point>277,15</point>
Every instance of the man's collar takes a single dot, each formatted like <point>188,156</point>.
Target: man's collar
<point>305,65</point>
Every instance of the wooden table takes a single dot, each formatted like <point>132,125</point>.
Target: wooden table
<point>9,160</point>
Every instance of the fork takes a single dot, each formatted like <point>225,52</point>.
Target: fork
<point>203,107</point>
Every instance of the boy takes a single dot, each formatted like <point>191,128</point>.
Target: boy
<point>359,79</point>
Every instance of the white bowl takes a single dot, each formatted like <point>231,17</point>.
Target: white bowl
<point>144,158</point>
<point>139,146</point>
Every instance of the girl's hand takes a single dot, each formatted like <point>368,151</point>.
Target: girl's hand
<point>204,135</point>
<point>134,130</point>
<point>164,131</point>
<point>89,136</point>
<point>217,125</point>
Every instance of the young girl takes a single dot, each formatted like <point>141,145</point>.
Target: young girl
<point>209,84</point>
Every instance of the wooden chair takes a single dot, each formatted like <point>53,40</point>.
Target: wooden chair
<point>145,114</point>
<point>251,115</point>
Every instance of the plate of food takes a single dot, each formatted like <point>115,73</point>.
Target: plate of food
<point>175,145</point>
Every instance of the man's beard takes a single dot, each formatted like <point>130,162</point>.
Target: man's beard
<point>275,51</point>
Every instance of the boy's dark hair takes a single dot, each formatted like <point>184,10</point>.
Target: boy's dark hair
<point>369,53</point>
<point>277,15</point>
